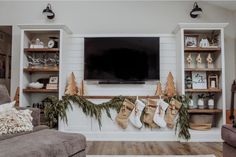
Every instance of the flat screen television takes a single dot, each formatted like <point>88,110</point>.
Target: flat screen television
<point>121,59</point>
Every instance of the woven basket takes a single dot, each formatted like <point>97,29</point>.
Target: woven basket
<point>201,121</point>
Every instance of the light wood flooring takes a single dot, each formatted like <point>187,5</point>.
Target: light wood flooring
<point>153,148</point>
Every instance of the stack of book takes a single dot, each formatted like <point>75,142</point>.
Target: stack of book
<point>52,86</point>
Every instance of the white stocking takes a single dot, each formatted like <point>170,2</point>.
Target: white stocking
<point>136,114</point>
<point>160,113</point>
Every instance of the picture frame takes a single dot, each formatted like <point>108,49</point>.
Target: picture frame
<point>2,66</point>
<point>191,40</point>
<point>213,81</point>
<point>199,80</point>
<point>53,80</point>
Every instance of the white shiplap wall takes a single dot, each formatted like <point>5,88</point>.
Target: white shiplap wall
<point>73,61</point>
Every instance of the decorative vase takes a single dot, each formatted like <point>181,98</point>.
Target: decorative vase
<point>191,104</point>
<point>211,103</point>
<point>200,103</point>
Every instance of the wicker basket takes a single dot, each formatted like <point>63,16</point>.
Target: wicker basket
<point>201,121</point>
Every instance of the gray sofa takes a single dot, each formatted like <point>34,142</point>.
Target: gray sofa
<point>42,142</point>
<point>229,137</point>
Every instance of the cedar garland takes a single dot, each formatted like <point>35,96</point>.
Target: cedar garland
<point>95,110</point>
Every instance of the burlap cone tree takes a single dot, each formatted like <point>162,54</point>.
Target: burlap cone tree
<point>81,91</point>
<point>170,86</point>
<point>17,95</point>
<point>71,88</point>
<point>159,89</point>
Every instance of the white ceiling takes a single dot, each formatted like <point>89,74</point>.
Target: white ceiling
<point>227,4</point>
<point>230,5</point>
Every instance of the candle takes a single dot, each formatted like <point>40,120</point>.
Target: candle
<point>213,84</point>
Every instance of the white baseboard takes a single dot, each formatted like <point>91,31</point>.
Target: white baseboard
<point>148,136</point>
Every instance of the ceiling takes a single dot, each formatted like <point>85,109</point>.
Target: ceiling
<point>230,5</point>
<point>227,4</point>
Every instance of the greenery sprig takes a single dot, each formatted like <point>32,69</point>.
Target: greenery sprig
<point>57,108</point>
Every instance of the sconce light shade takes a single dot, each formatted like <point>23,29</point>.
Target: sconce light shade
<point>48,12</point>
<point>195,11</point>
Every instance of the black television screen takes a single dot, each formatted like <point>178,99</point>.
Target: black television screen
<point>122,58</point>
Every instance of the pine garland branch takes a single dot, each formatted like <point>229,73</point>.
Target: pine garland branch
<point>57,108</point>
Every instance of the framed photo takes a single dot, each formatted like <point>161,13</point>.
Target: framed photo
<point>53,80</point>
<point>199,80</point>
<point>2,66</point>
<point>191,40</point>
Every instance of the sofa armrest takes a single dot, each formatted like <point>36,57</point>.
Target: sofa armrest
<point>35,114</point>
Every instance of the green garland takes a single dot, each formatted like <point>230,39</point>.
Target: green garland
<point>182,123</point>
<point>95,110</point>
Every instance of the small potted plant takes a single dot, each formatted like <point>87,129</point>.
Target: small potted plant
<point>200,101</point>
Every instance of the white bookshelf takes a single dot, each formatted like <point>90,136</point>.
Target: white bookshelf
<point>28,75</point>
<point>218,53</point>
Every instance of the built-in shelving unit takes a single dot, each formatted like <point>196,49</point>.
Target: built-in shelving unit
<point>188,69</point>
<point>44,69</point>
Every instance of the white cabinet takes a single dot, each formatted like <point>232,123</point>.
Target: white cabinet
<point>31,34</point>
<point>192,53</point>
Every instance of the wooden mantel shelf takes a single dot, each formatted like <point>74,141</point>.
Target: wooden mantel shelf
<point>39,50</point>
<point>205,111</point>
<point>110,97</point>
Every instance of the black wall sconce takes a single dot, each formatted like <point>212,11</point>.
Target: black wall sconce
<point>48,12</point>
<point>195,11</point>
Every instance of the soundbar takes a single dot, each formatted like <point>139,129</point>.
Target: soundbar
<point>121,82</point>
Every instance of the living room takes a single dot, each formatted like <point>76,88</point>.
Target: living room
<point>117,78</point>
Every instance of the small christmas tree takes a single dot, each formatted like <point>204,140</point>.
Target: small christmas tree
<point>71,88</point>
<point>170,86</point>
<point>81,89</point>
<point>159,89</point>
<point>16,98</point>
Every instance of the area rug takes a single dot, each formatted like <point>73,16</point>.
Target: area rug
<point>150,156</point>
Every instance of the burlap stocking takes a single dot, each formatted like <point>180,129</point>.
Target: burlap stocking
<point>123,115</point>
<point>172,112</point>
<point>149,113</point>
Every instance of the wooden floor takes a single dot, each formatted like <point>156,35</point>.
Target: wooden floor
<point>153,148</point>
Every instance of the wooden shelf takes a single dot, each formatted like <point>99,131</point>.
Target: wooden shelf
<point>200,49</point>
<point>205,111</point>
<point>31,90</point>
<point>203,69</point>
<point>43,69</point>
<point>110,97</point>
<point>203,90</point>
<point>40,50</point>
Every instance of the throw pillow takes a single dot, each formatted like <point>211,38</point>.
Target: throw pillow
<point>7,106</point>
<point>4,96</point>
<point>14,121</point>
